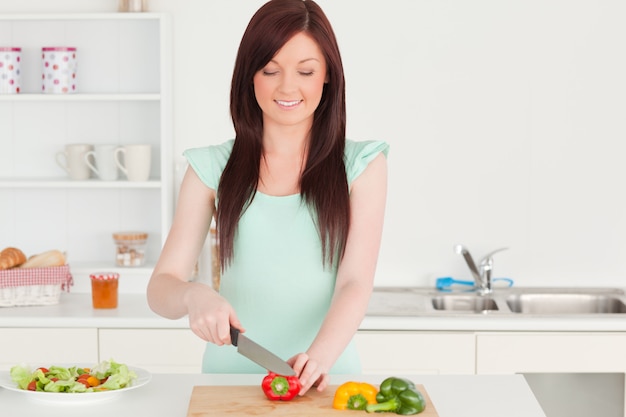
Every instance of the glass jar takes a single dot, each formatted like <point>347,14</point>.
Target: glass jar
<point>132,6</point>
<point>130,248</point>
<point>104,289</point>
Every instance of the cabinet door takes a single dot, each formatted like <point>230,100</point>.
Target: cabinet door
<point>156,350</point>
<point>550,352</point>
<point>405,353</point>
<point>45,347</point>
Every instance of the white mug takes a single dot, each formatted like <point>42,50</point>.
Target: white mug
<point>136,164</point>
<point>72,160</point>
<point>104,164</point>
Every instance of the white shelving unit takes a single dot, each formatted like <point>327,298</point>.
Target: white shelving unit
<point>79,97</point>
<point>124,97</point>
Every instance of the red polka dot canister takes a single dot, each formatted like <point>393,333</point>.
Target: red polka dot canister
<point>59,66</point>
<point>10,69</point>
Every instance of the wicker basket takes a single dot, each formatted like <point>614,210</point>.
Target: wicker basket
<point>34,286</point>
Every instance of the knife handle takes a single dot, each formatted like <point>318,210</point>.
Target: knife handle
<point>234,335</point>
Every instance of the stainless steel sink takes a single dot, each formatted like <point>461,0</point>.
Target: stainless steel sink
<point>565,303</point>
<point>468,303</point>
<point>514,302</point>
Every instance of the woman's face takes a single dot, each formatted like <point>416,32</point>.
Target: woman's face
<point>289,88</point>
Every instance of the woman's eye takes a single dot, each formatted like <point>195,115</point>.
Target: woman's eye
<point>306,73</point>
<point>269,72</point>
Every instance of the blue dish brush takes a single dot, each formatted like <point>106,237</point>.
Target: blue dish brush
<point>445,283</point>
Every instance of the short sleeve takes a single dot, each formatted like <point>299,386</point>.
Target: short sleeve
<point>359,154</point>
<point>209,162</point>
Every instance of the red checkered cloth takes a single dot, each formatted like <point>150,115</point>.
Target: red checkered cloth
<point>51,275</point>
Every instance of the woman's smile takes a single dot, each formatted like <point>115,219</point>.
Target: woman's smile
<point>288,103</point>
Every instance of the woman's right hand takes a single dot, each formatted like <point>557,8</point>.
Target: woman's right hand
<point>169,292</point>
<point>210,315</point>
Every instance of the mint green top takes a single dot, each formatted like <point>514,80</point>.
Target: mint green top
<point>277,282</point>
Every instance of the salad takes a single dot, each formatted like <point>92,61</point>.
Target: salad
<point>107,375</point>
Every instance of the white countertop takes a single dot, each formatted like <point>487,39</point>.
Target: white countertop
<point>168,395</point>
<point>75,311</point>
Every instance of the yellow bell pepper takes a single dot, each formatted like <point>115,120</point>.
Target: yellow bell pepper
<point>354,396</point>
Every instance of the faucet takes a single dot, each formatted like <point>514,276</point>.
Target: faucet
<point>482,275</point>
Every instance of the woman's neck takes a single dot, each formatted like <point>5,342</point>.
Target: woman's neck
<point>289,141</point>
<point>283,160</point>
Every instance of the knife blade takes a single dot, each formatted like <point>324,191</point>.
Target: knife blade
<point>258,354</point>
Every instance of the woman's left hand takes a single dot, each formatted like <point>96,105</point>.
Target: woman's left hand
<point>310,372</point>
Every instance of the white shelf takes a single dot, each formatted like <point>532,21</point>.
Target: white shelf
<point>86,268</point>
<point>63,183</point>
<point>133,280</point>
<point>79,97</point>
<point>81,16</point>
<point>126,98</point>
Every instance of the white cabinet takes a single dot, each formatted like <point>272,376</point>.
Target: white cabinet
<point>124,97</point>
<point>562,366</point>
<point>156,350</point>
<point>45,347</point>
<point>505,353</point>
<point>404,353</point>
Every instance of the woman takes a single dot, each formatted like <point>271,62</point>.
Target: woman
<point>299,209</point>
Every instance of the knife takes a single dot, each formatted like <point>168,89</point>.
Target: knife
<point>260,355</point>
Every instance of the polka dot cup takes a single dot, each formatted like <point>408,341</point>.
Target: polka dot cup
<point>10,62</point>
<point>58,70</point>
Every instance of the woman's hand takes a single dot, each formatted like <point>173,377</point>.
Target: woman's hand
<point>210,315</point>
<point>310,372</point>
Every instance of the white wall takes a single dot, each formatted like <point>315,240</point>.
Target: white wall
<point>506,121</point>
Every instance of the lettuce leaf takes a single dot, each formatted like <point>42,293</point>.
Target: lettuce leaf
<point>119,376</point>
<point>21,375</point>
<point>63,385</point>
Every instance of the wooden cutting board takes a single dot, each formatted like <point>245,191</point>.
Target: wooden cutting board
<point>245,401</point>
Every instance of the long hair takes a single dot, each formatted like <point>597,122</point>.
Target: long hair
<point>323,183</point>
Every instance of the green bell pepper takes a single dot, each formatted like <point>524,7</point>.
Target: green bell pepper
<point>398,395</point>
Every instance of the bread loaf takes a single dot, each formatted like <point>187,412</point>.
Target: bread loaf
<point>11,257</point>
<point>45,259</point>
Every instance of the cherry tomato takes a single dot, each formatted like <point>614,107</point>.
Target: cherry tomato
<point>44,370</point>
<point>32,386</point>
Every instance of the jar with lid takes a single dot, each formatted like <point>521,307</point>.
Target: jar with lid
<point>104,289</point>
<point>59,66</point>
<point>132,6</point>
<point>10,71</point>
<point>130,248</point>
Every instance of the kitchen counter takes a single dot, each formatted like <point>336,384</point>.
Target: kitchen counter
<point>169,395</point>
<point>75,311</point>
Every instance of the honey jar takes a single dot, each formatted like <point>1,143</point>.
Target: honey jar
<point>104,289</point>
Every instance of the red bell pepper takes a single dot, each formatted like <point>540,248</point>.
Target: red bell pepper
<point>279,387</point>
